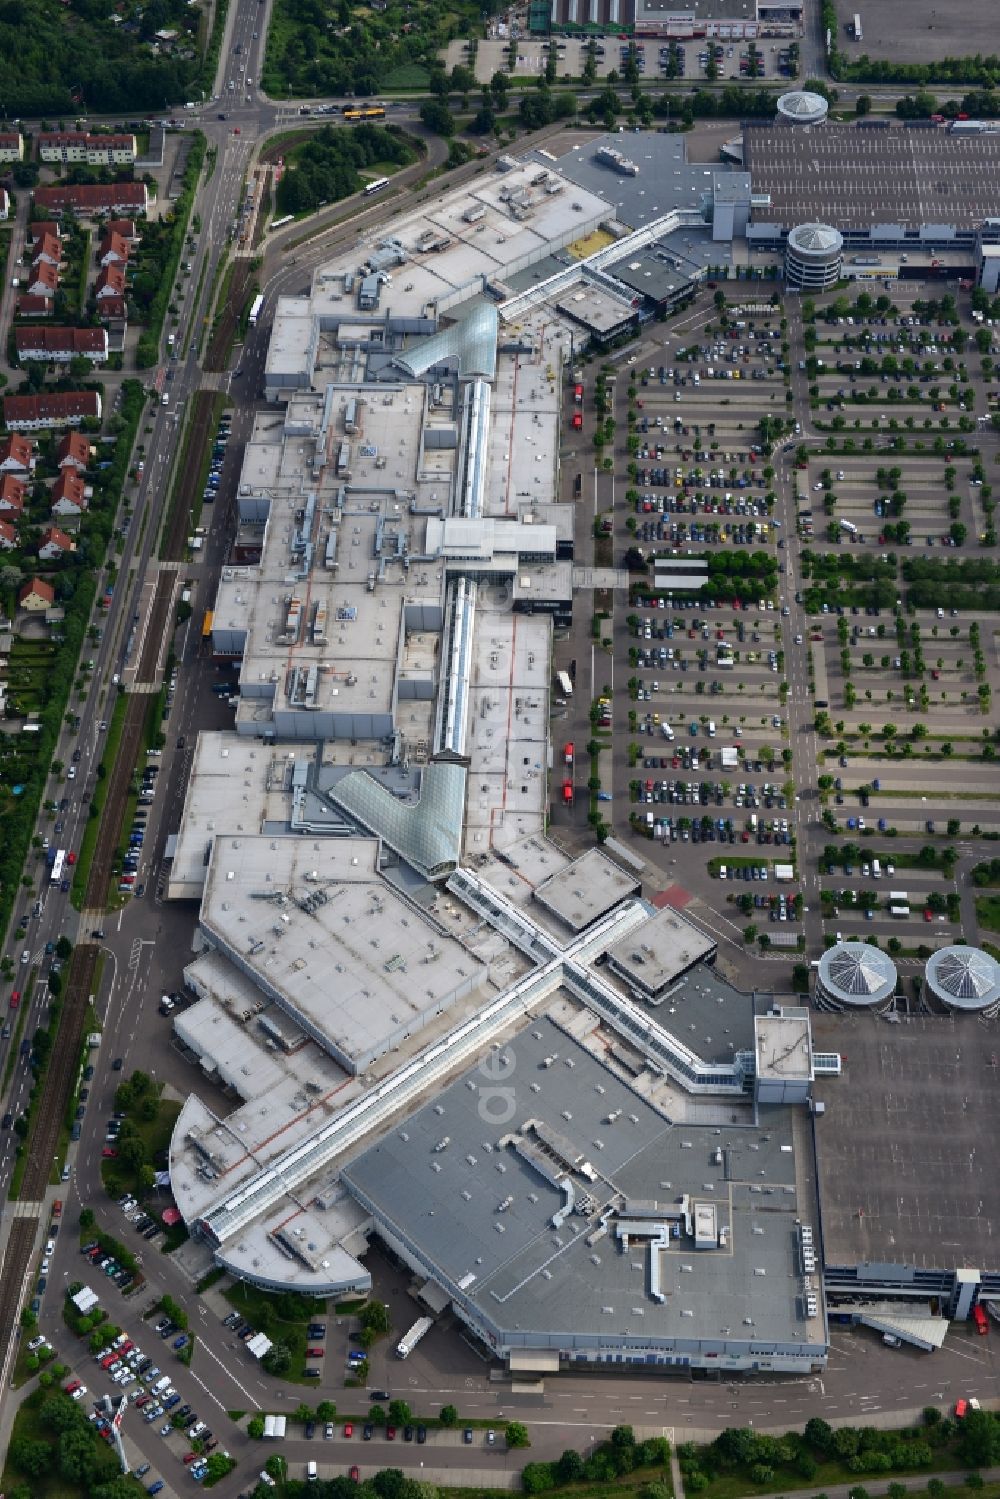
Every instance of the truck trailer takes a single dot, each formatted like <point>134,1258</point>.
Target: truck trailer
<point>409,1341</point>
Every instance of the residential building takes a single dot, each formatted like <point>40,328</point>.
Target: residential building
<point>65,408</point>
<point>68,495</point>
<point>39,228</point>
<point>55,544</point>
<point>31,304</point>
<point>74,451</point>
<point>126,229</point>
<point>110,283</point>
<point>11,146</point>
<point>8,536</point>
<point>60,345</point>
<point>36,596</point>
<point>46,251</point>
<point>17,455</point>
<point>77,147</point>
<point>43,280</point>
<point>4,203</point>
<point>112,310</point>
<point>113,249</point>
<point>93,200</point>
<point>12,491</point>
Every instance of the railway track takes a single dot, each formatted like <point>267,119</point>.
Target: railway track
<point>50,1112</point>
<point>186,483</point>
<point>217,353</point>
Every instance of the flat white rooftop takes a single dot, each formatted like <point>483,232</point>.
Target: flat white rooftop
<point>236,786</point>
<point>357,966</point>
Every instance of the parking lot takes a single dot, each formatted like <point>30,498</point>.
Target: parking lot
<point>654,59</point>
<point>828,469</point>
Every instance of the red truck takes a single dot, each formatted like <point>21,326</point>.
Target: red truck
<point>567,791</point>
<point>981,1320</point>
<point>577,423</point>
<point>578,394</point>
<point>568,753</point>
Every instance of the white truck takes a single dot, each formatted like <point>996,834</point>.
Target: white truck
<point>409,1340</point>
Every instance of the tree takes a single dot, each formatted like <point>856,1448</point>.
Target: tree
<point>374,1317</point>
<point>437,117</point>
<point>376,1415</point>
<point>219,1464</point>
<point>399,1413</point>
<point>278,1358</point>
<point>863,105</point>
<point>448,1415</point>
<point>33,1459</point>
<point>979,1443</point>
<point>569,1467</point>
<point>255,1427</point>
<point>517,1435</point>
<point>64,949</point>
<point>326,1411</point>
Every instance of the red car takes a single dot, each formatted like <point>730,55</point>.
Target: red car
<point>108,1154</point>
<point>390,1433</point>
<point>189,1457</point>
<point>928,914</point>
<point>74,1384</point>
<point>348,1429</point>
<point>314,1353</point>
<point>71,857</point>
<point>355,1474</point>
<point>15,998</point>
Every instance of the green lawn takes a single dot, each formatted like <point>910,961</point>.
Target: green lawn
<point>155,1135</point>
<point>50,1485</point>
<point>261,1308</point>
<point>988,912</point>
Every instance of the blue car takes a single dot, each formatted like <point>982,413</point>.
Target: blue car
<point>181,1342</point>
<point>154,1488</point>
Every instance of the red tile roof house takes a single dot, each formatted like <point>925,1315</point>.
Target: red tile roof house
<point>47,251</point>
<point>12,492</point>
<point>110,283</point>
<point>126,228</point>
<point>94,200</point>
<point>8,536</point>
<point>43,280</point>
<point>36,595</point>
<point>112,310</point>
<point>55,409</point>
<point>113,250</point>
<point>68,495</point>
<point>17,455</point>
<point>40,227</point>
<point>60,345</point>
<point>32,306</point>
<point>74,452</point>
<point>55,544</point>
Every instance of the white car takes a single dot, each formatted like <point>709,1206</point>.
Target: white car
<point>79,1392</point>
<point>50,1247</point>
<point>36,1342</point>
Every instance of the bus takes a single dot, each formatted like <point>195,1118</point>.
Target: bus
<point>364,112</point>
<point>280,223</point>
<point>376,186</point>
<point>58,865</point>
<point>256,308</point>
